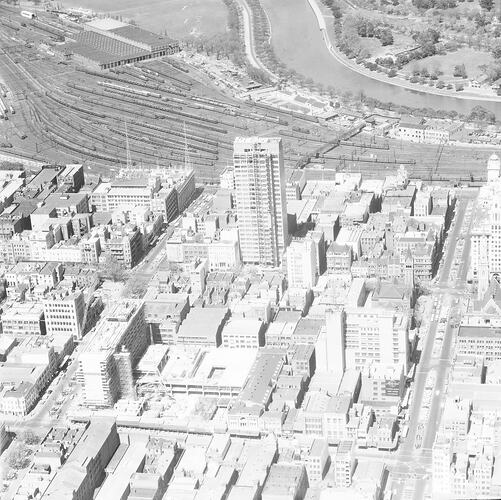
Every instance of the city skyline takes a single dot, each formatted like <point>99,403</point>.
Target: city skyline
<point>232,269</point>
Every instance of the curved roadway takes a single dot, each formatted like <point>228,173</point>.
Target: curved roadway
<point>340,58</point>
<point>249,40</point>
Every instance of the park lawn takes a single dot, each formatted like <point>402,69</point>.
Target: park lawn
<point>400,43</point>
<point>464,8</point>
<point>472,59</point>
<point>373,45</point>
<point>179,18</point>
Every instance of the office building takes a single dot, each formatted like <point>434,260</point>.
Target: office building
<point>376,333</point>
<point>260,199</point>
<point>486,232</point>
<point>344,464</point>
<point>301,264</point>
<point>64,313</point>
<point>23,318</point>
<point>245,333</point>
<point>102,373</point>
<point>330,348</point>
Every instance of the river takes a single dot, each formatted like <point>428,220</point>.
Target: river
<point>298,43</point>
<point>295,38</point>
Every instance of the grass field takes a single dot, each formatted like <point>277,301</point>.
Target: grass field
<point>178,17</point>
<point>472,59</point>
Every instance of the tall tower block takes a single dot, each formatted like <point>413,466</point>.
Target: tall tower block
<point>260,199</point>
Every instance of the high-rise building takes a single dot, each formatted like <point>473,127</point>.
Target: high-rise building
<point>378,334</point>
<point>301,263</point>
<point>360,330</point>
<point>486,236</point>
<point>260,199</point>
<point>105,377</point>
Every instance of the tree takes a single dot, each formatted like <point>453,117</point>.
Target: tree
<point>428,36</point>
<point>496,50</point>
<point>259,75</point>
<point>386,37</point>
<point>479,113</point>
<point>392,73</point>
<point>112,269</point>
<point>481,20</point>
<point>18,457</point>
<point>29,437</point>
<point>487,4</point>
<point>460,71</point>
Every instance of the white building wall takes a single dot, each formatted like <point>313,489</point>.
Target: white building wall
<point>260,199</point>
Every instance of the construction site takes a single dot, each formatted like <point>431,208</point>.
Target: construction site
<point>148,108</point>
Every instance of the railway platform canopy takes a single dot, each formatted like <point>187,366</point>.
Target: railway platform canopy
<point>108,43</point>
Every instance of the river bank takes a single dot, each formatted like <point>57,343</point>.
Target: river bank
<point>312,58</point>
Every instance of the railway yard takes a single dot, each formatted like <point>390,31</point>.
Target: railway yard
<point>160,108</point>
<point>164,112</point>
<point>437,162</point>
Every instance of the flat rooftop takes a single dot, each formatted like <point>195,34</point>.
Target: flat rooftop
<point>140,35</point>
<point>480,331</point>
<point>213,366</point>
<point>202,321</point>
<point>43,176</point>
<point>105,24</point>
<point>131,462</point>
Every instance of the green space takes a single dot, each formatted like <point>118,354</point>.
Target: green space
<point>459,39</point>
<point>179,18</point>
<point>475,62</point>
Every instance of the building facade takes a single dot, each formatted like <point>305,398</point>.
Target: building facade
<point>260,199</point>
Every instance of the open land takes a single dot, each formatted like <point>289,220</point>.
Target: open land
<point>473,61</point>
<point>179,18</point>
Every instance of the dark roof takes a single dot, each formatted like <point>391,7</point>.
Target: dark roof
<point>43,176</point>
<point>479,331</point>
<point>142,36</point>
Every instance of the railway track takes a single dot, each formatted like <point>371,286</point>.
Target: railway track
<point>82,112</point>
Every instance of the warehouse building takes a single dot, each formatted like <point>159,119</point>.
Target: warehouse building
<point>107,43</point>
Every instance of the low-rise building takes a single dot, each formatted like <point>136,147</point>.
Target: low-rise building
<point>203,326</point>
<point>24,318</point>
<point>285,482</point>
<point>246,333</point>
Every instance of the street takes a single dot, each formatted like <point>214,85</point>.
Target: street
<point>411,475</point>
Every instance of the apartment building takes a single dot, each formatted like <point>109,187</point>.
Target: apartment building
<point>260,199</point>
